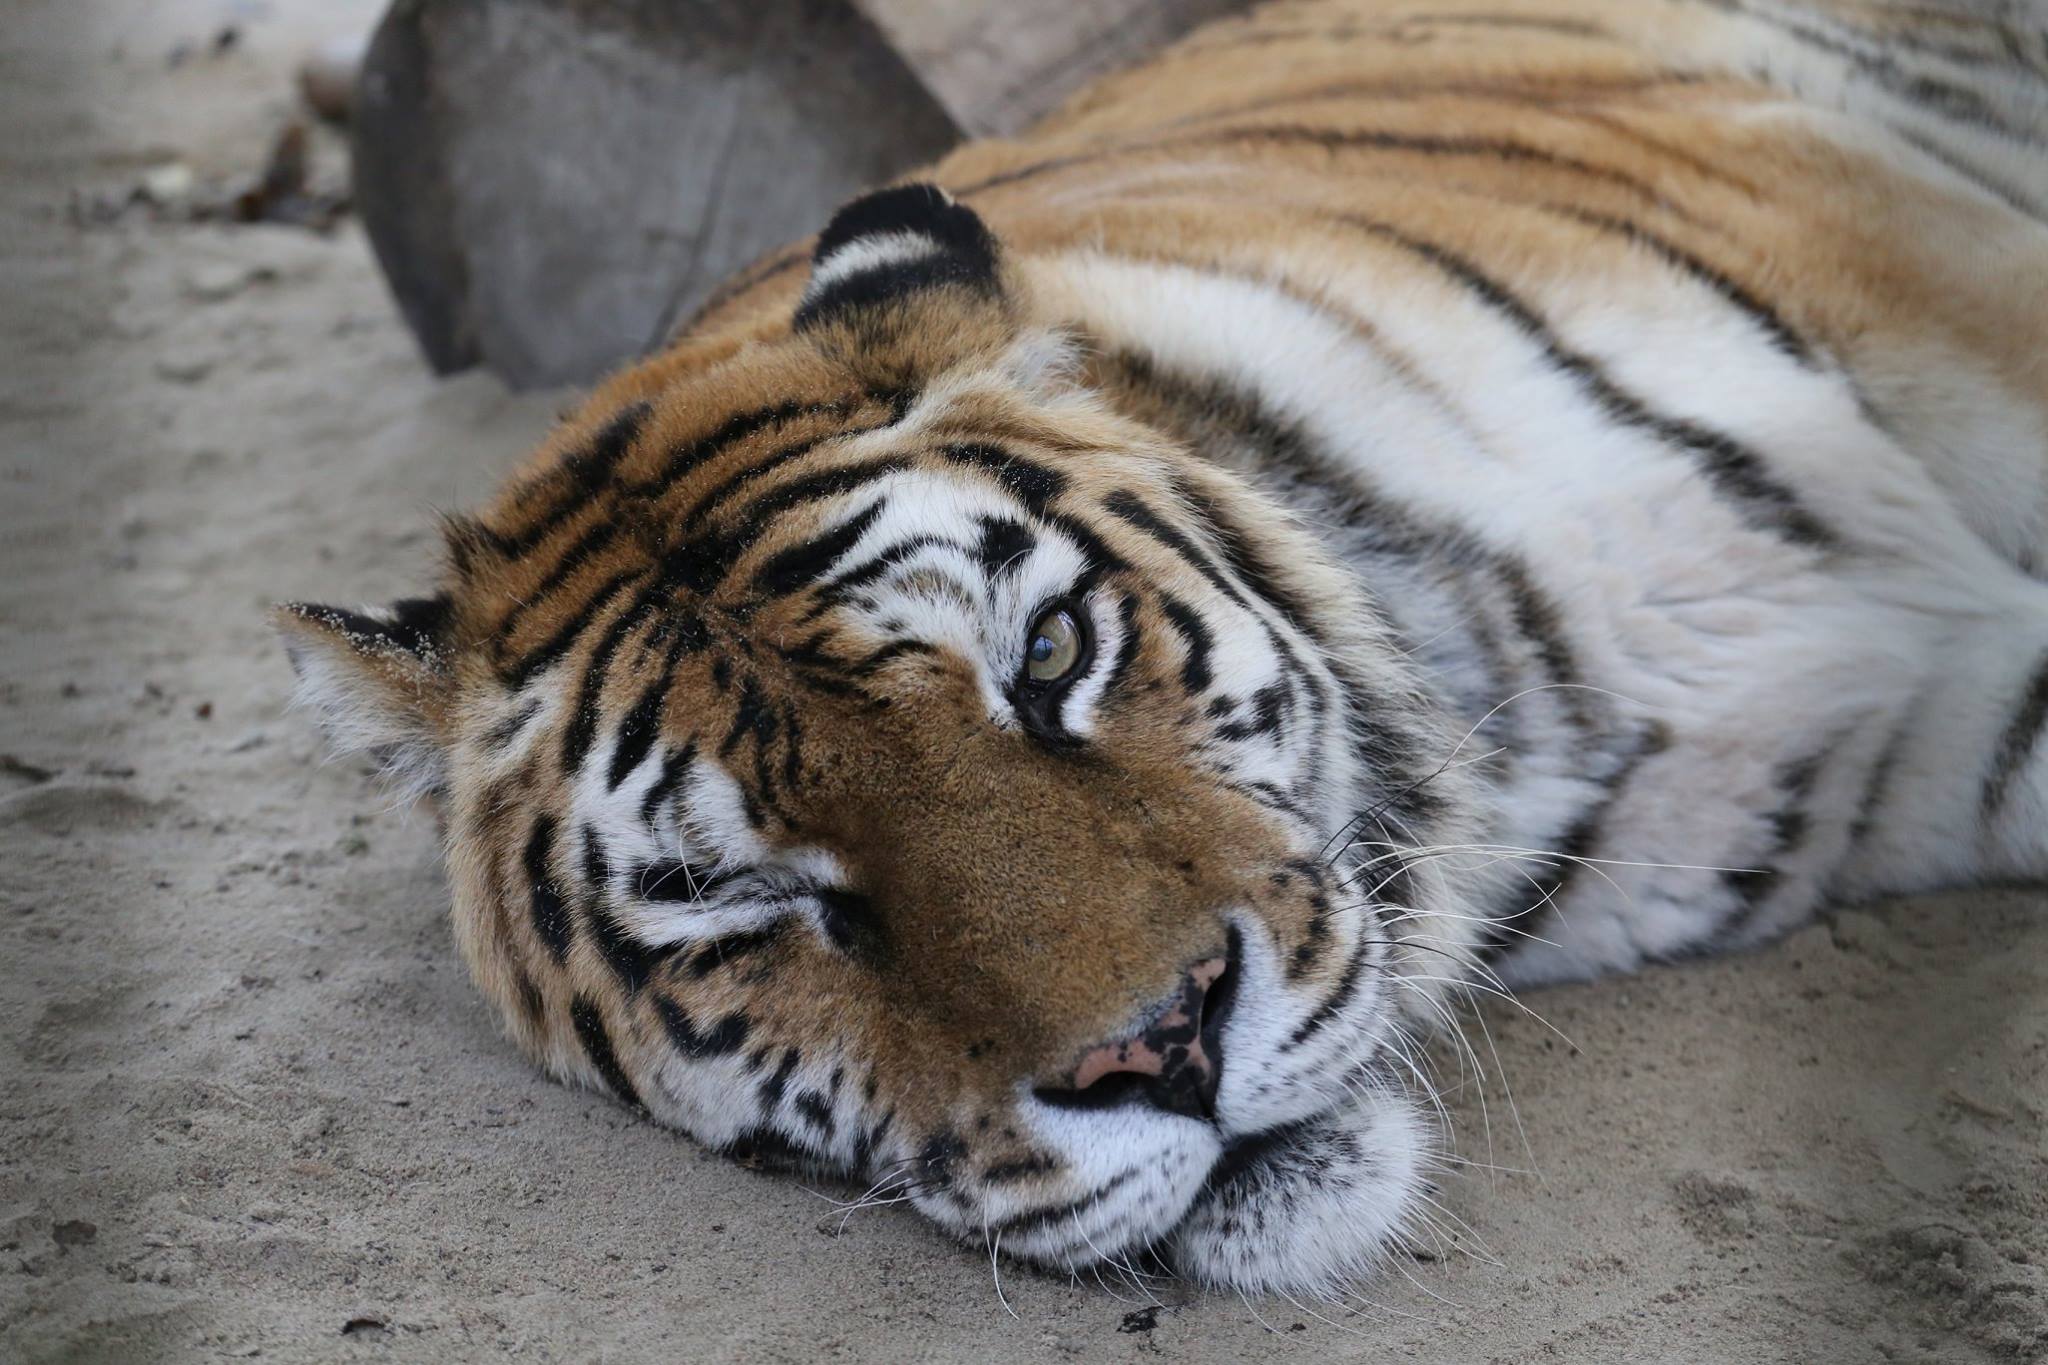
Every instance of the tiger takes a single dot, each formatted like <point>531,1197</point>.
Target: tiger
<point>1041,701</point>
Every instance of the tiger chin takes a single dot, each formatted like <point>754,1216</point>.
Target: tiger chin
<point>1038,704</point>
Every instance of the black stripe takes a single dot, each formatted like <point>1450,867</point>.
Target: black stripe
<point>1499,149</point>
<point>803,564</point>
<point>897,401</point>
<point>505,731</point>
<point>1248,566</point>
<point>550,911</point>
<point>836,589</point>
<point>813,1109</point>
<point>674,767</point>
<point>1559,98</point>
<point>1032,484</point>
<point>726,1036</point>
<point>1878,787</point>
<point>1338,996</point>
<point>1984,180</point>
<point>1957,103</point>
<point>1316,938</point>
<point>1129,507</point>
<point>1208,406</point>
<point>1036,486</point>
<point>1563,28</point>
<point>588,472</point>
<point>581,731</point>
<point>520,671</point>
<point>702,562</point>
<point>709,957</point>
<point>415,625</point>
<point>739,427</point>
<point>1194,632</point>
<point>1038,1220</point>
<point>753,472</point>
<point>1211,403</point>
<point>750,716</point>
<point>531,1002</point>
<point>1004,546</point>
<point>1505,150</point>
<point>884,284</point>
<point>777,1084</point>
<point>1127,645</point>
<point>594,538</point>
<point>1733,468</point>
<point>596,871</point>
<point>1004,1172</point>
<point>852,923</point>
<point>1581,838</point>
<point>764,1149</point>
<point>1214,412</point>
<point>1268,705</point>
<point>1271,797</point>
<point>1542,625</point>
<point>597,1045</point>
<point>642,725</point>
<point>631,960</point>
<point>1759,312</point>
<point>1787,823</point>
<point>2016,745</point>
<point>866,665</point>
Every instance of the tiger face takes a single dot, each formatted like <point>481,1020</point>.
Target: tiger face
<point>869,751</point>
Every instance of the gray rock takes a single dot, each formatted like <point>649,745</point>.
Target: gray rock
<point>550,184</point>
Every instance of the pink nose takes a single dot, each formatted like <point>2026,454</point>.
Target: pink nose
<point>1175,1062</point>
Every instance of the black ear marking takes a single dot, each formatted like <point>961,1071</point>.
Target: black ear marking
<point>415,625</point>
<point>892,242</point>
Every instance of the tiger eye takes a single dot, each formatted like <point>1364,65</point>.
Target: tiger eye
<point>1055,647</point>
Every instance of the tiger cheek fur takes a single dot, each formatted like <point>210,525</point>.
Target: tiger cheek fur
<point>1032,718</point>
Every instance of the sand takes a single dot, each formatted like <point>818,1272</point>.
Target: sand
<point>250,1107</point>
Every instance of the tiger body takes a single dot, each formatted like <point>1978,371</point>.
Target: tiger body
<point>1545,487</point>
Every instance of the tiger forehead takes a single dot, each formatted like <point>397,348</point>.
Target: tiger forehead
<point>631,516</point>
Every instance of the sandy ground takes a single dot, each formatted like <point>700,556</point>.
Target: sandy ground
<point>250,1107</point>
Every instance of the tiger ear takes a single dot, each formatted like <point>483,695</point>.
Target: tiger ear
<point>379,681</point>
<point>892,246</point>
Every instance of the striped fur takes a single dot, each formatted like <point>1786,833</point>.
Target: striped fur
<point>1548,486</point>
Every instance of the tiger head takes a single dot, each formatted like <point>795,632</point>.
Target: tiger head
<point>871,746</point>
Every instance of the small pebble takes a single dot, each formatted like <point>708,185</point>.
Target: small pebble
<point>169,185</point>
<point>76,1232</point>
<point>215,281</point>
<point>183,369</point>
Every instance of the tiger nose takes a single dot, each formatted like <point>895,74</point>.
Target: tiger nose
<point>1174,1063</point>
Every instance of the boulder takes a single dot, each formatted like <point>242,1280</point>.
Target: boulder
<point>550,184</point>
<point>996,65</point>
